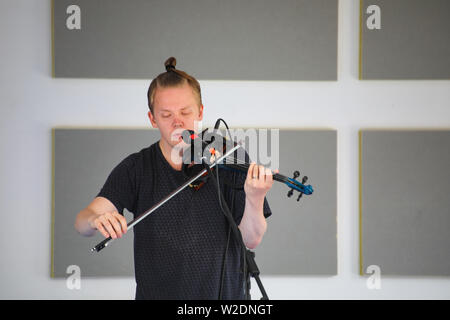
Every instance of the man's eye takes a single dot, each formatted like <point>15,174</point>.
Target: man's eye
<point>186,113</point>
<point>166,115</point>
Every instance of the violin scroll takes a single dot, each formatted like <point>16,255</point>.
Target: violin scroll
<point>295,185</point>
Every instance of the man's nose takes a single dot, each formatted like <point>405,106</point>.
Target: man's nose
<point>177,123</point>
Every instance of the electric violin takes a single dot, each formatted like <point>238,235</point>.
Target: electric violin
<point>200,158</point>
<point>208,151</point>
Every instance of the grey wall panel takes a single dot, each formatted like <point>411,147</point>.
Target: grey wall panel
<point>409,39</point>
<point>83,159</point>
<point>405,209</point>
<point>212,39</point>
<point>301,237</point>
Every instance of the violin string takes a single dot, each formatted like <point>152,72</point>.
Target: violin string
<point>244,165</point>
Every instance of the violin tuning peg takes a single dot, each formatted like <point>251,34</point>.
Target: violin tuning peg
<point>305,178</point>
<point>296,174</point>
<point>290,193</point>
<point>300,195</point>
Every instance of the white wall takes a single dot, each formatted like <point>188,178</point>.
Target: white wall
<point>32,102</point>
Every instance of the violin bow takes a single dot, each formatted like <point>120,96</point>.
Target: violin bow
<point>132,223</point>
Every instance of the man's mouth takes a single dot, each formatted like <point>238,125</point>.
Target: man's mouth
<point>176,137</point>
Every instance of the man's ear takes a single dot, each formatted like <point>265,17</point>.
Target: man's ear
<point>152,119</point>
<point>200,116</point>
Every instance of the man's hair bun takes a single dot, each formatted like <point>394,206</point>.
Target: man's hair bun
<point>170,63</point>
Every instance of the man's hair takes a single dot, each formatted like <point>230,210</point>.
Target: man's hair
<point>172,78</point>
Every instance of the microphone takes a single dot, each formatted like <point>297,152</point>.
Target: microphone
<point>189,136</point>
<point>196,146</point>
<point>205,146</point>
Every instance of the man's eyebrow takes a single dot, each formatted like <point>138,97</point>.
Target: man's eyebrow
<point>167,110</point>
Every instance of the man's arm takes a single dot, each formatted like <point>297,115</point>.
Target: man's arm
<point>253,224</point>
<point>101,215</point>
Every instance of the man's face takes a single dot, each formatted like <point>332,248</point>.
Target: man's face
<point>175,109</point>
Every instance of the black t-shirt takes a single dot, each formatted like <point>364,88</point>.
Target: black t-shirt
<point>179,248</point>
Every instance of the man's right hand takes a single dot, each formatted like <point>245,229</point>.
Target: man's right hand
<point>109,224</point>
<point>101,215</point>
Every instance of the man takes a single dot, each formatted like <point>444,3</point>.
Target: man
<point>183,250</point>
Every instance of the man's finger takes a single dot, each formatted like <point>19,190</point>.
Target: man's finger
<point>261,173</point>
<point>102,230</point>
<point>250,171</point>
<point>107,225</point>
<point>256,172</point>
<point>269,177</point>
<point>116,225</point>
<point>123,222</point>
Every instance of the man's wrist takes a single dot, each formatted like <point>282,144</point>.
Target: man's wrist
<point>255,203</point>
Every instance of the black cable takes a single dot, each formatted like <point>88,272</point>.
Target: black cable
<point>226,211</point>
<point>216,127</point>
<point>246,284</point>
<point>232,223</point>
<point>224,261</point>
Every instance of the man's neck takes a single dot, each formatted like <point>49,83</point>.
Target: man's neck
<point>173,157</point>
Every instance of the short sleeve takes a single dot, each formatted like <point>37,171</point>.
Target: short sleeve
<point>120,186</point>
